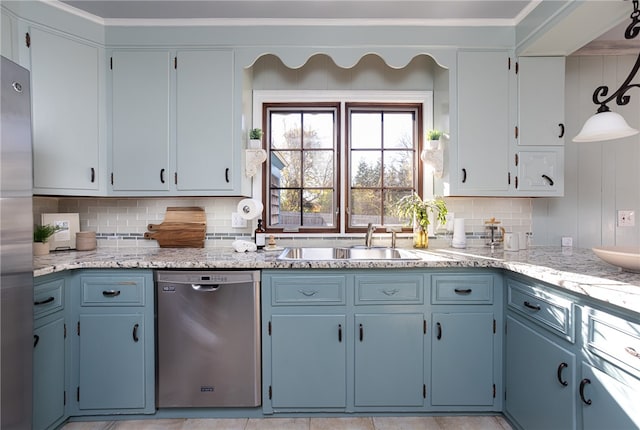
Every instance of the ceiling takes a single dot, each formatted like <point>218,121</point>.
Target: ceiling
<point>434,12</point>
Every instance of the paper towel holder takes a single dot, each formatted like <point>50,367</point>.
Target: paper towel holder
<point>250,208</point>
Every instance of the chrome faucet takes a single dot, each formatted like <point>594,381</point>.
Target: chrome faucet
<point>368,239</point>
<point>393,231</point>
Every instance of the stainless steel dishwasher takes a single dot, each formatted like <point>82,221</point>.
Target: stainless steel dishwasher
<point>208,338</point>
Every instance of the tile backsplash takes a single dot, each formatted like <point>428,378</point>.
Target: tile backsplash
<point>122,222</point>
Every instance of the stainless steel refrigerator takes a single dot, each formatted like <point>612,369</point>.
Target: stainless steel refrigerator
<point>16,237</point>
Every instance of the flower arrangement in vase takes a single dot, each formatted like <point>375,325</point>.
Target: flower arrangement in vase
<point>418,211</point>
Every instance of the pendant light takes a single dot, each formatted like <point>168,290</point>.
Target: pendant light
<point>605,124</point>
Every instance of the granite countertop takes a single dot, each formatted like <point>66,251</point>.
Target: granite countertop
<point>573,269</point>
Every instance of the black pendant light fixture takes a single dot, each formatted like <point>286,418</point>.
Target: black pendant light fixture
<point>605,124</point>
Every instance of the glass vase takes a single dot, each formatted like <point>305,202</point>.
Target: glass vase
<point>420,237</point>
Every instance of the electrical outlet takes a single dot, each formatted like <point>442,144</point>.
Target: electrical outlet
<point>567,241</point>
<point>237,221</point>
<point>626,219</point>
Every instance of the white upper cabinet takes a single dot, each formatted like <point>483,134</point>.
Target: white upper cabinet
<point>65,76</point>
<point>140,120</point>
<point>172,123</point>
<point>541,101</point>
<point>204,117</point>
<point>483,124</point>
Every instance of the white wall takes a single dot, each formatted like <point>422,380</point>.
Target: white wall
<point>602,177</point>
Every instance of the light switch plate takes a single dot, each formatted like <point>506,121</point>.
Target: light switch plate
<point>626,219</point>
<point>237,221</point>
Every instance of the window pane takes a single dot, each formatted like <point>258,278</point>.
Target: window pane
<point>287,205</point>
<point>365,207</point>
<point>398,169</point>
<point>318,208</point>
<point>318,130</point>
<point>318,169</point>
<point>286,167</point>
<point>398,130</point>
<point>366,130</point>
<point>285,130</point>
<point>391,197</point>
<point>366,168</point>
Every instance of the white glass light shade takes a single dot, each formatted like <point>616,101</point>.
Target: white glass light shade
<point>604,126</point>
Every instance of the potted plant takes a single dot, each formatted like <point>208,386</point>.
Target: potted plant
<point>433,136</point>
<point>418,212</point>
<point>255,138</point>
<point>41,236</point>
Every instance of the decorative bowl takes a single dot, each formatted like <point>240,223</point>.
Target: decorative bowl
<point>627,257</point>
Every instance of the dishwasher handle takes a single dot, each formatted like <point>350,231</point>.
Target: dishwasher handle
<point>205,288</point>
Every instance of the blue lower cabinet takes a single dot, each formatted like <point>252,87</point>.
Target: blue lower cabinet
<point>112,361</point>
<point>389,360</point>
<point>609,402</point>
<point>113,343</point>
<point>540,379</point>
<point>462,359</point>
<point>48,372</point>
<point>308,364</point>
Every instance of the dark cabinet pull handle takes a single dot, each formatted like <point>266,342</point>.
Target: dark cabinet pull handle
<point>561,130</point>
<point>632,351</point>
<point>461,291</point>
<point>561,367</point>
<point>36,339</point>
<point>549,180</point>
<point>93,175</point>
<point>584,383</point>
<point>530,306</point>
<point>162,176</point>
<point>226,175</point>
<point>361,333</point>
<point>439,336</point>
<point>45,301</point>
<point>339,332</point>
<point>135,332</point>
<point>111,293</point>
<point>464,175</point>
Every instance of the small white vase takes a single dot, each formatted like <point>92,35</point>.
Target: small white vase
<point>40,248</point>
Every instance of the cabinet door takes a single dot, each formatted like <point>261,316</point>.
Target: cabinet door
<point>540,173</point>
<point>389,359</point>
<point>540,380</point>
<point>308,361</point>
<point>541,100</point>
<point>205,146</point>
<point>48,373</point>
<point>483,123</point>
<point>612,403</point>
<point>462,359</point>
<point>112,361</point>
<point>65,106</point>
<point>140,120</point>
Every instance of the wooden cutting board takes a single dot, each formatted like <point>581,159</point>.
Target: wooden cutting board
<point>183,227</point>
<point>178,238</point>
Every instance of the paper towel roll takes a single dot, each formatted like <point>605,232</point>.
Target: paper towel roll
<point>459,236</point>
<point>249,208</point>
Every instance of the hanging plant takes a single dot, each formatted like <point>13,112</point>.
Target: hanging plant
<point>433,135</point>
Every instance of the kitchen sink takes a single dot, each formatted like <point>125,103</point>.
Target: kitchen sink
<point>355,253</point>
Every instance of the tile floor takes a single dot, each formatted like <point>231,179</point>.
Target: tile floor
<point>348,423</point>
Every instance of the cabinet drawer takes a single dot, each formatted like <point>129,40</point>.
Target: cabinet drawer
<point>300,290</point>
<point>48,298</point>
<point>381,289</point>
<point>457,289</point>
<point>614,339</point>
<point>548,310</point>
<point>110,291</point>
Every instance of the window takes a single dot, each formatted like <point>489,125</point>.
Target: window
<point>382,158</point>
<point>319,180</point>
<point>302,172</point>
